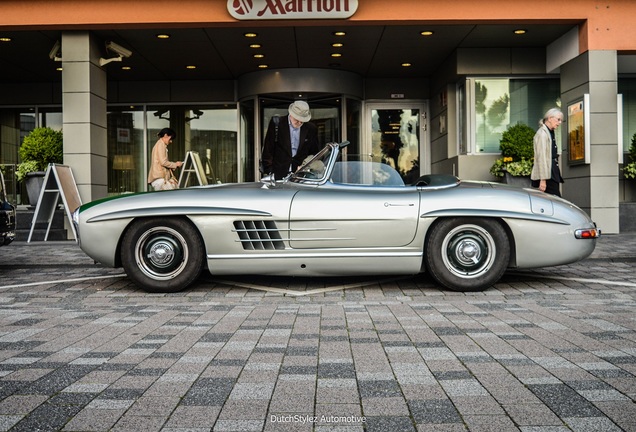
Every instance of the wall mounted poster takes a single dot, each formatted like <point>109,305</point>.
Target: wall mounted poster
<point>576,133</point>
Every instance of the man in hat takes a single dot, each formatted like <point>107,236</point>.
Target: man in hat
<point>289,140</point>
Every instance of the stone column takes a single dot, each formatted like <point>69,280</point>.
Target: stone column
<point>594,187</point>
<point>84,113</point>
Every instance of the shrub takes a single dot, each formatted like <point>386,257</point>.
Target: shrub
<point>517,151</point>
<point>629,170</point>
<point>40,148</point>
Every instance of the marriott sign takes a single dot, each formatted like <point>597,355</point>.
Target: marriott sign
<point>291,9</point>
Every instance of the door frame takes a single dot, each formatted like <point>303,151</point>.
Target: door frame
<point>424,145</point>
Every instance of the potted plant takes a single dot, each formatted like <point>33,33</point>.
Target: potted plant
<point>629,170</point>
<point>515,165</point>
<point>40,147</point>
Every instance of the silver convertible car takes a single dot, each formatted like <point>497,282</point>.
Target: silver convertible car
<point>334,217</point>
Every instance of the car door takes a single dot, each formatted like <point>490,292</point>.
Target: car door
<point>348,217</point>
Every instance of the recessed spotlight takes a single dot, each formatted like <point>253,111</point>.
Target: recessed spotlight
<point>339,33</point>
<point>5,39</point>
<point>259,55</point>
<point>255,46</point>
<point>337,45</point>
<point>250,35</point>
<point>336,55</point>
<point>58,69</point>
<point>126,68</point>
<point>191,67</point>
<point>426,33</point>
<point>406,64</point>
<point>163,36</point>
<point>520,31</point>
<point>263,66</point>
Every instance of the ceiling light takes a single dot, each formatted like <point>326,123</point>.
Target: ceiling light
<point>163,36</point>
<point>126,68</point>
<point>426,33</point>
<point>58,69</point>
<point>259,55</point>
<point>337,45</point>
<point>520,31</point>
<point>336,55</point>
<point>406,64</point>
<point>255,46</point>
<point>5,39</point>
<point>191,67</point>
<point>339,33</point>
<point>263,66</point>
<point>250,35</point>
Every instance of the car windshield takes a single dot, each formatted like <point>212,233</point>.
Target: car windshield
<point>366,173</point>
<point>315,167</point>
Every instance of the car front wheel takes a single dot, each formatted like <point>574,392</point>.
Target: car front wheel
<point>467,254</point>
<point>162,255</point>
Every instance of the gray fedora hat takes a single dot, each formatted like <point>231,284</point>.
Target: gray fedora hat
<point>300,111</point>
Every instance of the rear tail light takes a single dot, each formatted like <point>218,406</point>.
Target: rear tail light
<point>590,233</point>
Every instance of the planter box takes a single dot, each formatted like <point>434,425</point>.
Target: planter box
<point>33,182</point>
<point>519,181</point>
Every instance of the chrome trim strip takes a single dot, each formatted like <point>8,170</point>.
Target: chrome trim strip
<point>256,254</point>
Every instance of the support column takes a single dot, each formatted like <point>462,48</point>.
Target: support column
<point>84,114</point>
<point>594,187</point>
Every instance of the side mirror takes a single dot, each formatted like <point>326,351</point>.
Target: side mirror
<point>269,179</point>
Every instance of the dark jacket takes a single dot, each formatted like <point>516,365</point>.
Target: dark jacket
<point>277,154</point>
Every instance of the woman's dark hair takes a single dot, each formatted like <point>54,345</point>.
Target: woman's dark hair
<point>167,131</point>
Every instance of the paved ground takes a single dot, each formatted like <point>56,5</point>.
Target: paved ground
<point>81,349</point>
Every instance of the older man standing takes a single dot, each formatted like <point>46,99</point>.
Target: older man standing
<point>546,175</point>
<point>289,140</point>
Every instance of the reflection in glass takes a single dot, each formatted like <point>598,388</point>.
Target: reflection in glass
<point>395,140</point>
<point>126,171</point>
<point>502,102</point>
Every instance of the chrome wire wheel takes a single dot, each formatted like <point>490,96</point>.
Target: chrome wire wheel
<point>161,253</point>
<point>468,251</point>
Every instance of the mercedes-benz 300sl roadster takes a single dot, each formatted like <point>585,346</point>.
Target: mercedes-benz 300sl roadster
<point>335,217</point>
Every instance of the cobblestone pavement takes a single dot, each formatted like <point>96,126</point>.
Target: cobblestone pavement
<point>81,349</point>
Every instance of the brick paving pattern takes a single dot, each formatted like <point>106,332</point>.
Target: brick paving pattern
<point>550,350</point>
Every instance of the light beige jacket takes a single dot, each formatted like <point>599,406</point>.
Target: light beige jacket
<point>542,168</point>
<point>160,166</point>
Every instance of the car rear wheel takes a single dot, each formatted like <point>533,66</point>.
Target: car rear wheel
<point>467,254</point>
<point>162,255</point>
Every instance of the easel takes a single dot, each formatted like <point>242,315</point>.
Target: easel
<point>58,182</point>
<point>192,164</point>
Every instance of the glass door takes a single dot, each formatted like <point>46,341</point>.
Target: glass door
<point>395,135</point>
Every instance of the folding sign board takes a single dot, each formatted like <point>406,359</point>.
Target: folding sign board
<point>59,183</point>
<point>192,164</point>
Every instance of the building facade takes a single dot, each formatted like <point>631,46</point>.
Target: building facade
<point>424,86</point>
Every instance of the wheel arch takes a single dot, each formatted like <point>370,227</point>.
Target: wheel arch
<point>118,260</point>
<point>511,240</point>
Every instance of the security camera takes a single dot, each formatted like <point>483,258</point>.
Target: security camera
<point>118,49</point>
<point>55,52</point>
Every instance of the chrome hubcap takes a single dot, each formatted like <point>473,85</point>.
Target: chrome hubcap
<point>468,251</point>
<point>161,253</point>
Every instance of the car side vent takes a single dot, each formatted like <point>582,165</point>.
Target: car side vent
<point>259,235</point>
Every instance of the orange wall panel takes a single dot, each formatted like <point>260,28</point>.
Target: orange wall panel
<point>609,24</point>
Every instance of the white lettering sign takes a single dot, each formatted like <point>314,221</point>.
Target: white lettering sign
<point>291,9</point>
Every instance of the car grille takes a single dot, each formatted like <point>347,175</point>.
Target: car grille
<point>259,235</point>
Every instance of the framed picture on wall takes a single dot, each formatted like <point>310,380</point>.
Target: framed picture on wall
<point>578,131</point>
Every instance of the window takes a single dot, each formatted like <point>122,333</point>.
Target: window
<point>627,87</point>
<point>498,103</point>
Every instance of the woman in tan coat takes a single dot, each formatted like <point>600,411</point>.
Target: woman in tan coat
<point>160,175</point>
<point>546,174</point>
